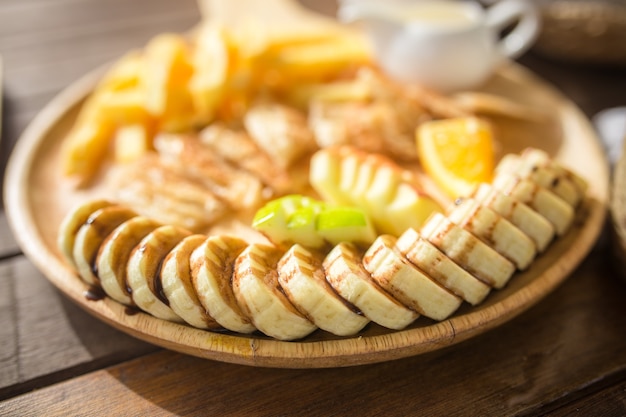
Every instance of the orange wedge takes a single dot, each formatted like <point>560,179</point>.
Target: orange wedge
<point>457,153</point>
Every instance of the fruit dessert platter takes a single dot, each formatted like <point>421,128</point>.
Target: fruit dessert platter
<point>259,191</point>
<point>250,183</point>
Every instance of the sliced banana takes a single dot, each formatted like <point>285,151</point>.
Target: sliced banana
<point>541,158</point>
<point>345,273</point>
<point>545,202</point>
<point>442,269</point>
<point>212,266</point>
<point>468,251</point>
<point>495,231</point>
<point>542,174</point>
<point>301,276</point>
<point>534,225</point>
<point>70,224</point>
<point>114,254</point>
<point>405,282</point>
<point>92,234</point>
<point>178,287</point>
<point>256,287</point>
<point>143,273</point>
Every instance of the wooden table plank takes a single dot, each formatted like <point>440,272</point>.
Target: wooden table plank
<point>50,19</point>
<point>610,401</point>
<point>8,245</point>
<point>43,333</point>
<point>8,328</point>
<point>555,352</point>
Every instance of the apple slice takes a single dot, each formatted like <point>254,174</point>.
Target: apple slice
<point>301,226</point>
<point>345,224</point>
<point>349,165</point>
<point>387,193</point>
<point>384,182</point>
<point>312,223</point>
<point>324,174</point>
<point>408,209</point>
<point>290,219</point>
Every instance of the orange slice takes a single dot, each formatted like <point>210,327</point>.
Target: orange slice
<point>457,153</point>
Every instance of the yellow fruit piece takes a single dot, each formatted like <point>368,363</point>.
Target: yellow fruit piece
<point>85,147</point>
<point>457,153</point>
<point>131,142</point>
<point>165,75</point>
<point>276,44</point>
<point>317,60</point>
<point>123,74</point>
<point>210,60</point>
<point>270,24</point>
<point>336,92</point>
<point>390,198</point>
<point>124,106</point>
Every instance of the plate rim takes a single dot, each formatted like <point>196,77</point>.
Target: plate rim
<point>258,351</point>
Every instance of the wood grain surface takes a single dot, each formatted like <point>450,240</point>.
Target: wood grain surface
<point>565,356</point>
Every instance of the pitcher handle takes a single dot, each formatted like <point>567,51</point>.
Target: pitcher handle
<point>505,12</point>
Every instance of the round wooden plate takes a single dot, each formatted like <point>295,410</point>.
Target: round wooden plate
<point>37,196</point>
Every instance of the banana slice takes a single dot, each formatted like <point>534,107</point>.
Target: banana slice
<point>346,274</point>
<point>212,266</point>
<point>70,224</point>
<point>405,282</point>
<point>92,234</point>
<point>178,287</point>
<point>442,269</point>
<point>534,225</point>
<point>541,158</point>
<point>114,254</point>
<point>544,175</point>
<point>468,251</point>
<point>545,202</point>
<point>302,279</point>
<point>256,287</point>
<point>143,273</point>
<point>495,231</point>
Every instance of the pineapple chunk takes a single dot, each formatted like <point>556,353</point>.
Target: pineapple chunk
<point>123,74</point>
<point>320,59</point>
<point>85,147</point>
<point>123,107</point>
<point>276,23</point>
<point>340,91</point>
<point>211,63</point>
<point>131,142</point>
<point>166,71</point>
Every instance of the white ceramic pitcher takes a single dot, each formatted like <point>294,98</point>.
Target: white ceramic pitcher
<point>444,44</point>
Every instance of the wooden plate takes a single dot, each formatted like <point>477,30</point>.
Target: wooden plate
<point>37,197</point>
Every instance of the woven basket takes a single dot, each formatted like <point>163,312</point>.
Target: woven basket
<point>584,31</point>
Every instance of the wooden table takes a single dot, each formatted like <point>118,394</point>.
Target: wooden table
<point>566,355</point>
